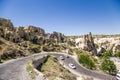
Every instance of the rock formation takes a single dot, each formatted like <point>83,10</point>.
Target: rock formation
<point>109,43</point>
<point>116,48</point>
<point>6,24</point>
<point>6,27</point>
<point>58,37</point>
<point>7,30</point>
<point>88,44</point>
<point>31,33</point>
<point>34,34</point>
<point>106,43</point>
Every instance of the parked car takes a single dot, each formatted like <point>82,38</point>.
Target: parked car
<point>61,57</point>
<point>72,66</point>
<point>118,76</point>
<point>66,56</point>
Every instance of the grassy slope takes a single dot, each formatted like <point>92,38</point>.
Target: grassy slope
<point>30,70</point>
<point>6,44</point>
<point>54,70</point>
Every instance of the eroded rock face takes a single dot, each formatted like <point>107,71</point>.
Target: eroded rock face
<point>38,35</point>
<point>58,37</point>
<point>116,48</point>
<point>6,24</point>
<point>31,33</point>
<point>87,43</point>
<point>34,34</point>
<point>34,30</point>
<point>6,27</point>
<point>7,30</point>
<point>20,31</point>
<point>109,43</point>
<point>100,43</point>
<point>38,39</point>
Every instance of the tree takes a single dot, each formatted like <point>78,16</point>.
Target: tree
<point>107,54</point>
<point>108,66</point>
<point>117,54</point>
<point>87,61</point>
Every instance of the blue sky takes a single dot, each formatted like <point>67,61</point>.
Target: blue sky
<point>70,17</point>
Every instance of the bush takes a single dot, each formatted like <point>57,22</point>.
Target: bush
<point>10,53</point>
<point>1,42</point>
<point>51,47</point>
<point>70,51</point>
<point>87,61</point>
<point>34,50</point>
<point>71,44</point>
<point>117,54</point>
<point>107,54</point>
<point>53,70</point>
<point>108,66</point>
<point>77,51</point>
<point>30,70</point>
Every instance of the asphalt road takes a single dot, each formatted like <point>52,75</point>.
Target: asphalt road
<point>15,69</point>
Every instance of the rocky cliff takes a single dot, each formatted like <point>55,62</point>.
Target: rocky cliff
<point>34,34</point>
<point>25,40</point>
<point>89,43</point>
<point>108,43</point>
<point>37,35</point>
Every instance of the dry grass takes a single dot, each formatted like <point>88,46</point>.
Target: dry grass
<point>54,70</point>
<point>30,70</point>
<point>7,44</point>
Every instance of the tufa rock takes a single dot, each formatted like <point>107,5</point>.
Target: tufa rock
<point>116,48</point>
<point>31,33</point>
<point>89,44</point>
<point>6,27</point>
<point>58,37</point>
<point>34,30</point>
<point>6,24</point>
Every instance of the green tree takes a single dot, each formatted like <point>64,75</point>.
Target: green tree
<point>87,61</point>
<point>117,54</point>
<point>107,54</point>
<point>108,66</point>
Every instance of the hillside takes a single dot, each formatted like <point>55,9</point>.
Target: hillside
<point>25,40</point>
<point>9,49</point>
<point>53,70</point>
<point>92,51</point>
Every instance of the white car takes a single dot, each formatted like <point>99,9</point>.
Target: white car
<point>61,57</point>
<point>66,56</point>
<point>118,76</point>
<point>72,66</point>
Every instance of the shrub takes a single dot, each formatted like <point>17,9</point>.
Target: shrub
<point>70,51</point>
<point>51,47</point>
<point>30,70</point>
<point>77,51</point>
<point>71,44</point>
<point>117,54</point>
<point>1,42</point>
<point>108,66</point>
<point>34,50</point>
<point>107,54</point>
<point>87,61</point>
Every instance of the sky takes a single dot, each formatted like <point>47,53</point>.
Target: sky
<point>70,17</point>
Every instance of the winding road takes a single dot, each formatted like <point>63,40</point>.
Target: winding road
<point>15,69</point>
